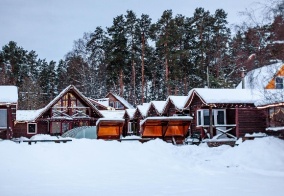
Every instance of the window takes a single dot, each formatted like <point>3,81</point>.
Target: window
<point>218,117</point>
<point>118,105</point>
<point>32,128</point>
<point>111,104</point>
<point>3,119</point>
<point>279,82</point>
<point>130,130</point>
<point>55,127</point>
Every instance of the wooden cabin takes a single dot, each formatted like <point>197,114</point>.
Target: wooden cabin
<point>171,129</point>
<point>68,110</point>
<point>225,113</point>
<point>8,107</point>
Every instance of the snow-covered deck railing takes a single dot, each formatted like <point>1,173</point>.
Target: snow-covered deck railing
<point>220,128</point>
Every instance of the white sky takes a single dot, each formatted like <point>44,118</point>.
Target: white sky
<point>50,27</point>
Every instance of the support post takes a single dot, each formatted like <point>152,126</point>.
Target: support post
<point>211,121</point>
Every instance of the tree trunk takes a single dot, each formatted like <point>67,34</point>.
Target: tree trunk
<point>121,83</point>
<point>142,68</point>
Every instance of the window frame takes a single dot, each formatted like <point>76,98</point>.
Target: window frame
<point>200,117</point>
<point>129,128</point>
<point>278,83</point>
<point>28,132</point>
<point>7,124</point>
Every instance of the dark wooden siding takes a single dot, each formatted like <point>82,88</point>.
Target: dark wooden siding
<point>20,129</point>
<point>195,105</point>
<point>251,120</point>
<point>231,116</point>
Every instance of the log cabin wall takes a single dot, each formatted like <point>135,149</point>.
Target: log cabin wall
<point>193,107</point>
<point>21,129</point>
<point>231,115</point>
<point>152,111</point>
<point>251,120</point>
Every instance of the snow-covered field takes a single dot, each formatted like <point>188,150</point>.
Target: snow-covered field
<point>95,167</point>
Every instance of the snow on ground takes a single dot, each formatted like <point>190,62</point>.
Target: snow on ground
<point>97,167</point>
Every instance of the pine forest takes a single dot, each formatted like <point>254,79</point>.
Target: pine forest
<point>144,60</point>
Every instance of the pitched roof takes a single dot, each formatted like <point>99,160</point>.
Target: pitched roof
<point>214,96</point>
<point>113,114</point>
<point>178,101</point>
<point>35,114</point>
<point>27,115</point>
<point>143,109</point>
<point>99,103</point>
<point>122,100</point>
<point>260,77</point>
<point>271,97</point>
<point>8,94</point>
<point>159,105</point>
<point>130,113</point>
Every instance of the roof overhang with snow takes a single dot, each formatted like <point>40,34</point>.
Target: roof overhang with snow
<point>224,96</point>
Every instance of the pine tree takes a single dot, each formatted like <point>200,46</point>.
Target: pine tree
<point>116,55</point>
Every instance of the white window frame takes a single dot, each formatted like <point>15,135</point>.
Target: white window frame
<point>279,83</point>
<point>129,129</point>
<point>214,112</point>
<point>6,118</point>
<point>35,128</point>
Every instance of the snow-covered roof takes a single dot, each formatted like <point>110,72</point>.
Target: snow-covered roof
<point>260,77</point>
<point>167,118</point>
<point>8,94</point>
<point>94,102</point>
<point>39,112</point>
<point>103,101</point>
<point>178,101</point>
<point>271,97</point>
<point>143,109</point>
<point>123,101</point>
<point>130,113</point>
<point>113,114</point>
<point>27,115</point>
<point>159,105</point>
<point>109,119</point>
<point>212,96</point>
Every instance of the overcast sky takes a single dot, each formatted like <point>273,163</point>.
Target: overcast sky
<point>50,27</point>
